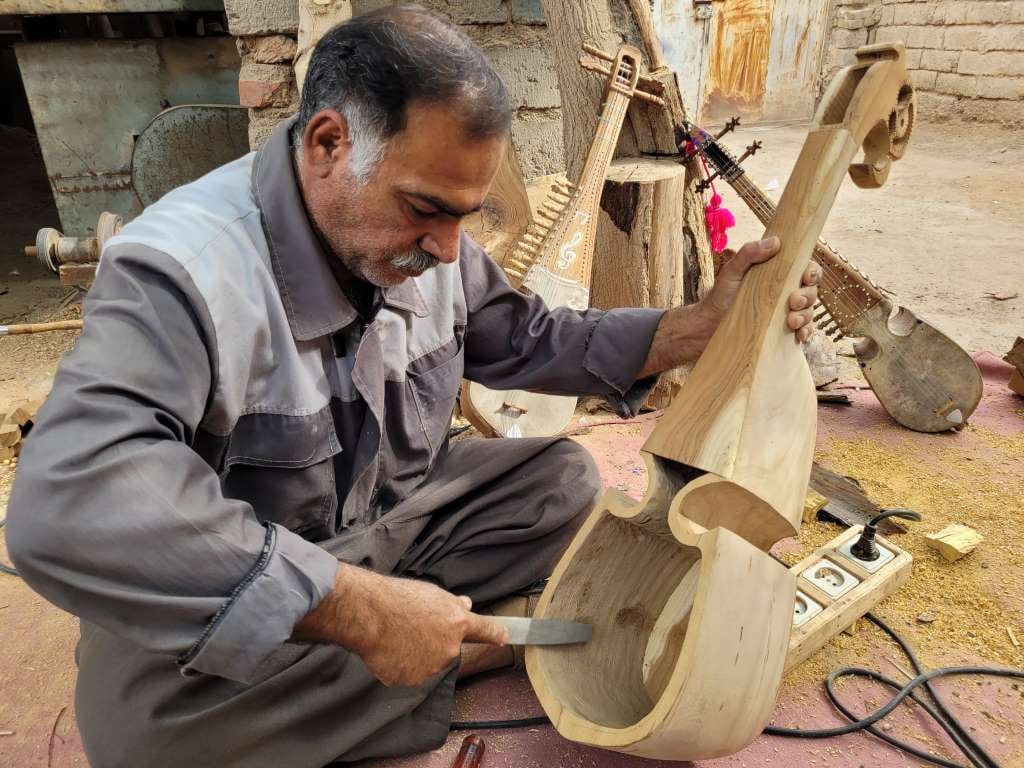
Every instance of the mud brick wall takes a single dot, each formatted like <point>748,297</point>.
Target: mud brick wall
<point>966,57</point>
<point>511,32</point>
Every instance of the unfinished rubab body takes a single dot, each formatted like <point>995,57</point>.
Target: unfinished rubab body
<point>691,616</point>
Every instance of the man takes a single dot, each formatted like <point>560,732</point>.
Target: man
<point>241,480</point>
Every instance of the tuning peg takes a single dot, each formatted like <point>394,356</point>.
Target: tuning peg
<point>729,126</point>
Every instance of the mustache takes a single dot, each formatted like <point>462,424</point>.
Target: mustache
<point>416,260</point>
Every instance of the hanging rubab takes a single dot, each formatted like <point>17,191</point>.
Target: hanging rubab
<point>924,379</point>
<point>691,616</point>
<point>553,258</point>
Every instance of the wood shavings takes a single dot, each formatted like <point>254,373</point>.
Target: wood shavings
<point>976,480</point>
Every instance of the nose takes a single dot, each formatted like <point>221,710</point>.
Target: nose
<point>442,241</point>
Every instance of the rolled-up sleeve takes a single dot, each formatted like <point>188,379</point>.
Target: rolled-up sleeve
<point>115,518</point>
<point>514,341</point>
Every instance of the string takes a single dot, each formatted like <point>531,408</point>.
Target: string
<point>762,206</point>
<point>833,276</point>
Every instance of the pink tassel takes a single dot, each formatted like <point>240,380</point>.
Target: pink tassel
<point>719,219</point>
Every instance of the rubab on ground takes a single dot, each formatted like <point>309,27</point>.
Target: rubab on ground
<point>923,378</point>
<point>691,616</point>
<point>553,261</point>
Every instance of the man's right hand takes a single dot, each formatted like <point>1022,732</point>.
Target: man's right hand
<point>405,631</point>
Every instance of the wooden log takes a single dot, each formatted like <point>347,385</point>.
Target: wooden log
<point>569,26</point>
<point>638,230</point>
<point>315,18</point>
<point>954,541</point>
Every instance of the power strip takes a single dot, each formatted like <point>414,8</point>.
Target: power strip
<point>835,588</point>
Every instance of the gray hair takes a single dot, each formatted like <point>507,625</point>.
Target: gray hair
<point>371,68</point>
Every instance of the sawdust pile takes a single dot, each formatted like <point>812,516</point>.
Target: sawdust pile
<point>976,478</point>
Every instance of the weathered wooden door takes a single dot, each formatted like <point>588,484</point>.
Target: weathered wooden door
<point>758,59</point>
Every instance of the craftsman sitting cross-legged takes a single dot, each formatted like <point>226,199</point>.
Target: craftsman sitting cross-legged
<point>241,481</point>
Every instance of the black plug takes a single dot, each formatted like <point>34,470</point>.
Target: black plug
<point>865,548</point>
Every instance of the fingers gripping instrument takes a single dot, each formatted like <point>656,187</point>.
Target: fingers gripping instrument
<point>691,615</point>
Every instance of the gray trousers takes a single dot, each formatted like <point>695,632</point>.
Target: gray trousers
<point>493,519</point>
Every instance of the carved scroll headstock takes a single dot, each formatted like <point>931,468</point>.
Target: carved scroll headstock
<point>875,107</point>
<point>626,72</point>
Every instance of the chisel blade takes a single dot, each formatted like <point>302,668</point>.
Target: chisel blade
<point>524,631</point>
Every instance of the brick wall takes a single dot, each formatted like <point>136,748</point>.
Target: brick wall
<point>966,57</point>
<point>511,32</point>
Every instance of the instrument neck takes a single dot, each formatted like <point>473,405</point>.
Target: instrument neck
<point>844,289</point>
<point>602,148</point>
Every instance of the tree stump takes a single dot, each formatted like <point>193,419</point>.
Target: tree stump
<point>641,228</point>
<point>652,248</point>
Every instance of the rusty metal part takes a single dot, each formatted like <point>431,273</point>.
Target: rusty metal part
<point>471,753</point>
<point>86,144</point>
<point>182,143</point>
<point>56,251</point>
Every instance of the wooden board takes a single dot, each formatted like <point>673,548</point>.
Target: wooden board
<point>48,7</point>
<point>77,274</point>
<point>847,502</point>
<point>841,612</point>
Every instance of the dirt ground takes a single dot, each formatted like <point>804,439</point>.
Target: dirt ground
<point>944,231</point>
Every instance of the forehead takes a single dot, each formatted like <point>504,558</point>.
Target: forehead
<point>434,155</point>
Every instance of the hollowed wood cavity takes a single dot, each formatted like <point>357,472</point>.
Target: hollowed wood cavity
<point>621,582</point>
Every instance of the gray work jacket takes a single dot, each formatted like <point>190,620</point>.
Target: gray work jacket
<point>187,460</point>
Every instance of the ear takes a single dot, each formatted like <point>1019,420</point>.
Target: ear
<point>325,142</point>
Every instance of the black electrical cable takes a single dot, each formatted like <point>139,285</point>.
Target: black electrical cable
<point>3,567</point>
<point>483,725</point>
<point>974,753</point>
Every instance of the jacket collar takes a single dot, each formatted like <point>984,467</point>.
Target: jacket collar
<point>313,300</point>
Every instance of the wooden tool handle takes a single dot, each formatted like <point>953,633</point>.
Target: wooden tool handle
<point>61,325</point>
<point>641,11</point>
<point>471,754</point>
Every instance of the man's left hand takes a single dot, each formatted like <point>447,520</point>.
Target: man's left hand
<point>727,285</point>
